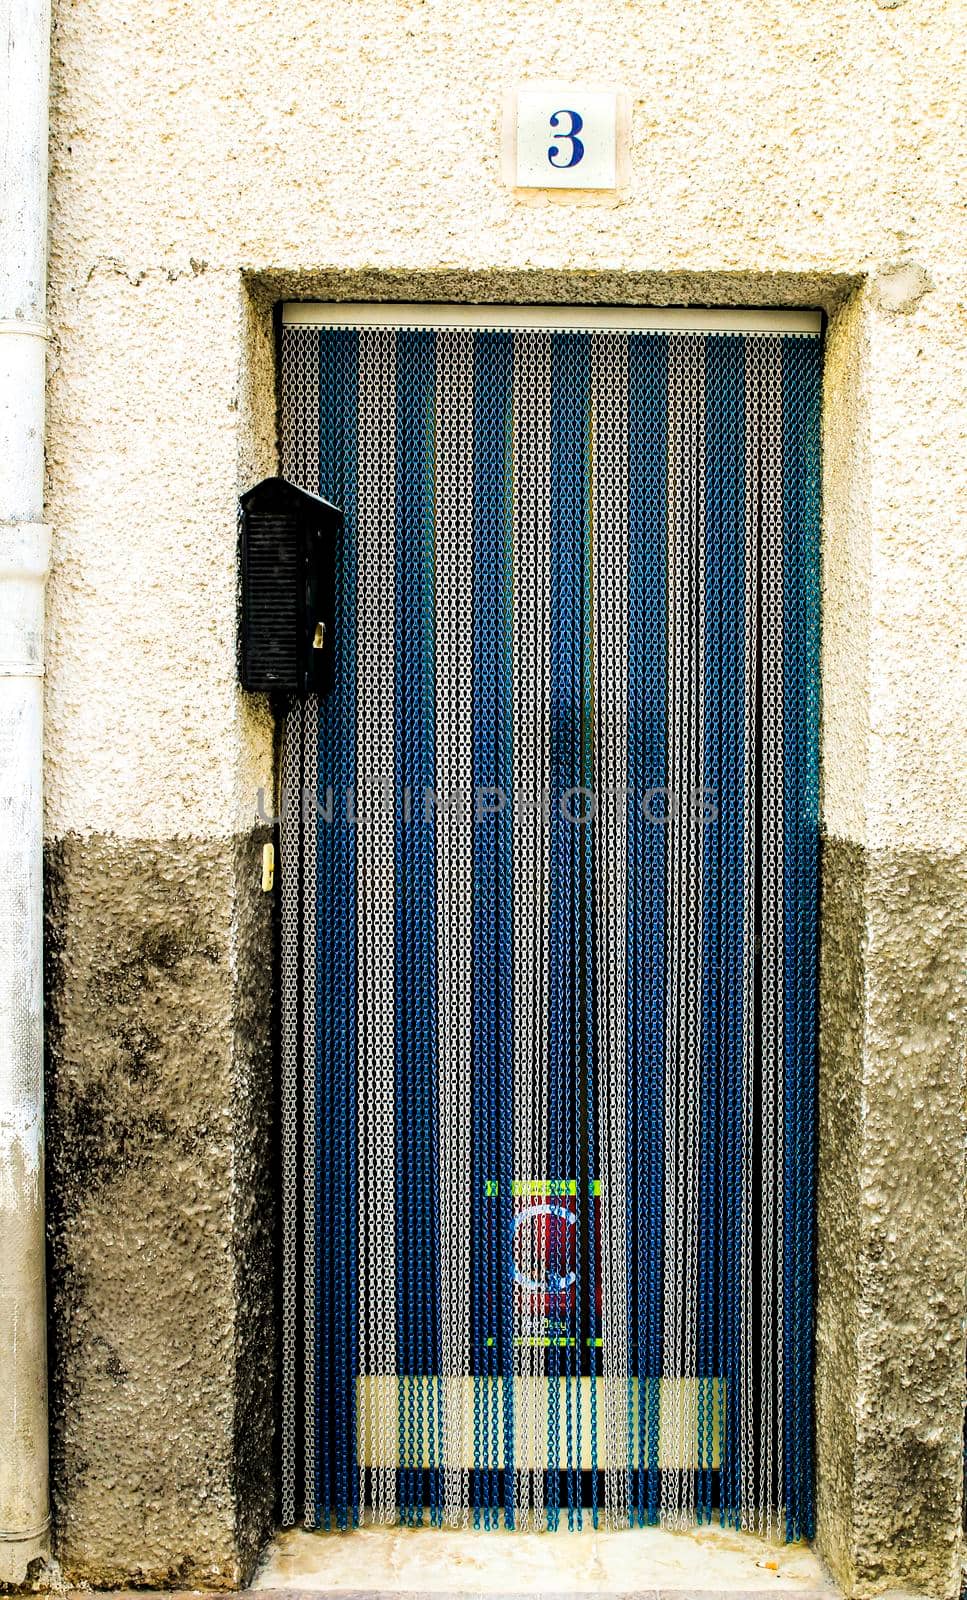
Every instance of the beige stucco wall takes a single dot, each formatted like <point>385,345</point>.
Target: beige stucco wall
<point>210,159</point>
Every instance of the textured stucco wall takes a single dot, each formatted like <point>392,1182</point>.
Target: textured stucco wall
<point>209,159</point>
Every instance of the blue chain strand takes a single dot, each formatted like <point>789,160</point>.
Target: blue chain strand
<point>712,557</point>
<point>570,456</point>
<point>810,359</point>
<point>489,532</point>
<point>567,453</point>
<point>326,888</point>
<point>435,1352</point>
<point>792,751</point>
<point>503,641</point>
<point>575,479</point>
<point>586,1162</point>
<point>401,1011</point>
<point>590,1116</point>
<point>346,641</point>
<point>655,412</point>
<point>792,912</point>
<point>636,1111</point>
<point>647,499</point>
<point>417,1123</point>
<point>731,388</point>
<point>479,1314</point>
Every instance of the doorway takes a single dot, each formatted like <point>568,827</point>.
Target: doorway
<point>549,864</point>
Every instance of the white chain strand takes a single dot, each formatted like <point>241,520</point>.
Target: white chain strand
<point>758,489</point>
<point>447,1036</point>
<point>673,1333</point>
<point>609,643</point>
<point>531,528</point>
<point>367,568</point>
<point>772,933</point>
<point>767,959</point>
<point>688,804</point>
<point>747,1469</point>
<point>454,777</point>
<point>308,478</point>
<point>683,1030</point>
<point>697,811</point>
<point>300,368</point>
<point>464,890</point>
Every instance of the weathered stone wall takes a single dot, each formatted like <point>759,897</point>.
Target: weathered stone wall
<point>211,159</point>
<point>160,1207</point>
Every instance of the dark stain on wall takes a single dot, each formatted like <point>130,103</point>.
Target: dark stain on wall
<point>892,1237</point>
<point>841,1002</point>
<point>160,1205</point>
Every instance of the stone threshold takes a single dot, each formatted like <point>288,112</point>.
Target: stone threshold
<point>456,1564</point>
<point>827,1592</point>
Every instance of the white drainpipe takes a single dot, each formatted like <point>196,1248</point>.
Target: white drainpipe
<point>24,555</point>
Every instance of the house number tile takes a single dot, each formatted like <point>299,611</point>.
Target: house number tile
<point>566,138</point>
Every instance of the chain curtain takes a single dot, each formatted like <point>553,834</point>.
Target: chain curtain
<point>549,919</point>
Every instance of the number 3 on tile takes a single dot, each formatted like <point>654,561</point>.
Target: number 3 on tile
<point>567,150</point>
<point>566,137</point>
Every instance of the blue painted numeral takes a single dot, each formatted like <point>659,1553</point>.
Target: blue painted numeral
<point>566,137</point>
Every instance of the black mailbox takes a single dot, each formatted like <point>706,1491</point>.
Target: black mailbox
<point>289,550</point>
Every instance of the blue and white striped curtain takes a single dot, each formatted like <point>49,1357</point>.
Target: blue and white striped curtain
<point>549,862</point>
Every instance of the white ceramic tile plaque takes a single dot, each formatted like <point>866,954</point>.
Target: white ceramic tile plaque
<point>566,138</point>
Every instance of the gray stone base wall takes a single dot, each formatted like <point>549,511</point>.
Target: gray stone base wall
<point>160,1207</point>
<point>892,1239</point>
<point>162,1262</point>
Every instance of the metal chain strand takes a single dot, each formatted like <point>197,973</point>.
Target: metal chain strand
<point>773,1062</point>
<point>530,412</point>
<point>453,784</point>
<point>673,1298</point>
<point>609,640</point>
<point>311,1166</point>
<point>683,1016</point>
<point>290,873</point>
<point>748,1491</point>
<point>376,876</point>
<point>540,1158</point>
